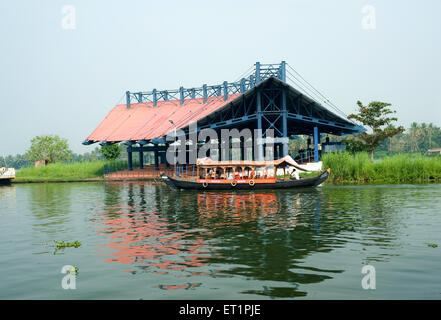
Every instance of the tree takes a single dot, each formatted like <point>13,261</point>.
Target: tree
<point>50,148</point>
<point>375,116</point>
<point>111,152</point>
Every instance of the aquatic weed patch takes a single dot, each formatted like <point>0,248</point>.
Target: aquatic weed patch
<point>62,244</point>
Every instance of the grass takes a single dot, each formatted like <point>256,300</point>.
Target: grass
<point>68,171</point>
<point>358,168</point>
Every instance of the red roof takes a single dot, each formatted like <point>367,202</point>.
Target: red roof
<point>143,121</point>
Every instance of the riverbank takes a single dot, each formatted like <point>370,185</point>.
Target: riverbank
<point>346,168</point>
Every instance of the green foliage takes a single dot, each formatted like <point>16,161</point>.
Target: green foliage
<point>18,161</point>
<point>401,168</point>
<point>111,152</point>
<point>433,245</point>
<point>375,116</point>
<point>51,148</point>
<point>300,142</point>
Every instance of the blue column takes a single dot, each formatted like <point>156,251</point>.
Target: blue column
<point>225,90</point>
<point>204,93</point>
<point>181,95</point>
<point>156,157</point>
<point>129,158</point>
<point>284,123</point>
<point>316,143</point>
<point>128,99</point>
<point>283,71</point>
<point>242,85</point>
<point>167,165</point>
<point>155,98</point>
<point>259,126</point>
<point>141,158</point>
<point>257,72</point>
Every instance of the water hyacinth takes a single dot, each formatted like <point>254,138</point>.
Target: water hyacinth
<point>62,244</point>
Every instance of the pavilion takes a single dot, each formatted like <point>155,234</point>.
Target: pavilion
<point>260,100</point>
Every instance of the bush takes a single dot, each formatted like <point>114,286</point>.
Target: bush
<point>111,152</point>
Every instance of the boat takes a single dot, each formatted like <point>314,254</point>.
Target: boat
<point>245,175</point>
<point>6,175</point>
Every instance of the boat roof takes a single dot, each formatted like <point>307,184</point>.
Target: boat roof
<point>287,160</point>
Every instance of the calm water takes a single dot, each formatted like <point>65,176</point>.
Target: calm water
<point>141,240</point>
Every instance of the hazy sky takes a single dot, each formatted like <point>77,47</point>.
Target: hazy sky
<point>64,81</point>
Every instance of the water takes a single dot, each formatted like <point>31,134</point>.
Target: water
<point>141,240</point>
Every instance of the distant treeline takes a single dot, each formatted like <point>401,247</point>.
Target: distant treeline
<point>418,138</point>
<point>20,160</point>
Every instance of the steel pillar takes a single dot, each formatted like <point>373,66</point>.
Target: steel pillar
<point>259,126</point>
<point>204,93</point>
<point>129,158</point>
<point>141,159</point>
<point>284,123</point>
<point>225,90</point>
<point>283,71</point>
<point>181,95</point>
<point>128,99</point>
<point>155,98</point>
<point>316,143</point>
<point>257,72</point>
<point>156,158</point>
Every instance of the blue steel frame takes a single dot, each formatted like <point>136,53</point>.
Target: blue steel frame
<point>261,73</point>
<point>264,106</point>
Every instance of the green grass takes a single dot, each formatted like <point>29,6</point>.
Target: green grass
<point>68,171</point>
<point>358,168</point>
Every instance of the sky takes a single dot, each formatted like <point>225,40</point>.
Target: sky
<point>62,75</point>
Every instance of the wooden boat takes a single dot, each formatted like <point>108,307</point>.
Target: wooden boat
<point>6,175</point>
<point>244,175</point>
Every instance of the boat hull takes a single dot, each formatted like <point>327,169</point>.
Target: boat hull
<point>5,181</point>
<point>279,184</point>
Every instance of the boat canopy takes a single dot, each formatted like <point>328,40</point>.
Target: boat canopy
<point>285,161</point>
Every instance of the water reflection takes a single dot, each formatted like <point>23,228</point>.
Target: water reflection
<point>263,236</point>
<point>50,204</point>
